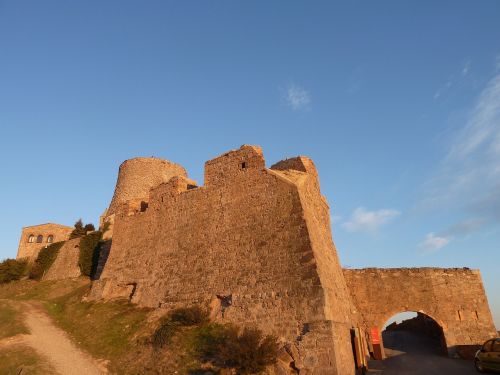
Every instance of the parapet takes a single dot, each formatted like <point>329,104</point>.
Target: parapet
<point>299,163</point>
<point>233,163</point>
<point>137,176</point>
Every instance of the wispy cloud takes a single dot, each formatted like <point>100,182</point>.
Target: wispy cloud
<point>362,220</point>
<point>454,80</point>
<point>433,242</point>
<point>297,97</point>
<point>468,178</point>
<point>440,91</point>
<point>466,68</point>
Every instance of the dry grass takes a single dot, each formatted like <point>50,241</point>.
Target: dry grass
<point>11,322</point>
<point>17,359</point>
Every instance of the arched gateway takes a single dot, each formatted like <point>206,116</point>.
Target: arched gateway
<point>453,297</point>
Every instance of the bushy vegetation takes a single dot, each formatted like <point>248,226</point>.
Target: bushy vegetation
<point>224,346</point>
<point>89,253</point>
<point>81,230</point>
<point>12,269</point>
<point>45,258</point>
<point>181,317</point>
<point>248,351</point>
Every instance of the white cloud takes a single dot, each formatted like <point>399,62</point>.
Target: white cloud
<point>433,242</point>
<point>469,174</point>
<point>362,220</point>
<point>466,68</point>
<point>297,98</point>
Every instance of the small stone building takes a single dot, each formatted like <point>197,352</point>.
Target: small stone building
<point>36,237</point>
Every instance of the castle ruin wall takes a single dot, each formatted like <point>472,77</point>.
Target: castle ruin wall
<point>253,241</point>
<point>453,297</point>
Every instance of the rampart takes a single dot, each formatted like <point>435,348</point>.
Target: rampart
<point>453,297</point>
<point>65,265</point>
<point>253,243</point>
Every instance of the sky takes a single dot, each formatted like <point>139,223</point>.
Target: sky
<point>397,103</point>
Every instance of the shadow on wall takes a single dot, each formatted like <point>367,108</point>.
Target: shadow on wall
<point>103,257</point>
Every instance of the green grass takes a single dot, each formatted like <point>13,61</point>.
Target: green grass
<point>16,359</point>
<point>103,329</point>
<point>10,321</point>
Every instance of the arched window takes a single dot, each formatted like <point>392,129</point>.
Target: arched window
<point>50,238</point>
<point>39,238</point>
<point>31,238</point>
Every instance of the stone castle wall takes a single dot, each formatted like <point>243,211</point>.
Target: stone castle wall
<point>30,250</point>
<point>253,243</point>
<point>453,297</point>
<point>65,265</point>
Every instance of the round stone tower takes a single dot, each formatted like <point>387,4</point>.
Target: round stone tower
<point>138,175</point>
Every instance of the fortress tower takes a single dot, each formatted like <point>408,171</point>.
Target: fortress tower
<point>136,177</point>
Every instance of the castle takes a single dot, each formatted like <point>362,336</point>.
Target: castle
<point>255,245</point>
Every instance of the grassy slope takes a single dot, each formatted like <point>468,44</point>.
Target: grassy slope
<point>117,332</point>
<point>15,360</point>
<point>10,321</point>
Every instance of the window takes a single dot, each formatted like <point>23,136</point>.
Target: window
<point>496,346</point>
<point>488,346</point>
<point>243,165</point>
<point>31,238</point>
<point>50,238</point>
<point>39,238</point>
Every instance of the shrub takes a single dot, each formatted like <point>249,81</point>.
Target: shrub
<point>181,317</point>
<point>81,230</point>
<point>164,333</point>
<point>12,269</point>
<point>89,228</point>
<point>248,352</point>
<point>45,258</point>
<point>189,316</point>
<point>89,253</point>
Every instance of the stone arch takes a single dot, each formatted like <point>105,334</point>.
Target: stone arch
<point>453,297</point>
<point>31,238</point>
<point>439,323</point>
<point>39,238</point>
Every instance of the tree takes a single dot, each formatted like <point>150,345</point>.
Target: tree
<point>79,230</point>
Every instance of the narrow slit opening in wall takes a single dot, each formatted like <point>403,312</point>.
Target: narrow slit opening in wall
<point>243,165</point>
<point>459,315</point>
<point>477,315</point>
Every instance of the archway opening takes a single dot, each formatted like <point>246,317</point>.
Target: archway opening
<point>413,333</point>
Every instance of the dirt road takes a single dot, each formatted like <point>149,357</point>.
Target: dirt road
<point>413,354</point>
<point>54,344</point>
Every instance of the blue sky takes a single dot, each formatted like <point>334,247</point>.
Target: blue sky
<point>397,102</point>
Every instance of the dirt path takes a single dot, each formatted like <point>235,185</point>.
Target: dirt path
<point>55,345</point>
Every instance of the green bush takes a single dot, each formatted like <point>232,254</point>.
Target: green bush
<point>81,230</point>
<point>181,317</point>
<point>164,333</point>
<point>12,269</point>
<point>45,258</point>
<point>89,253</point>
<point>249,352</point>
<point>189,316</point>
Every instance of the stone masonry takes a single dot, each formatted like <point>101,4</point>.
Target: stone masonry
<point>253,243</point>
<point>453,297</point>
<point>36,237</point>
